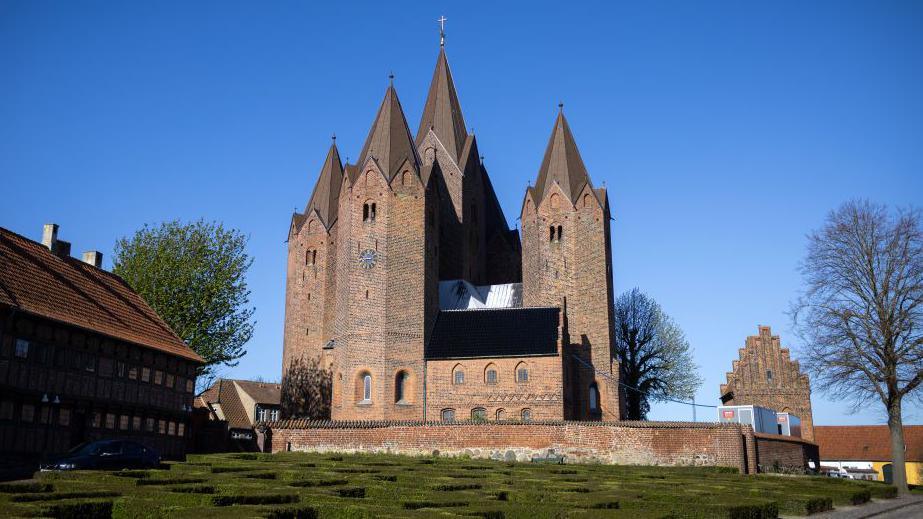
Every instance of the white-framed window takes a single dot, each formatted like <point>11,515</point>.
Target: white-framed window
<point>459,377</point>
<point>491,376</point>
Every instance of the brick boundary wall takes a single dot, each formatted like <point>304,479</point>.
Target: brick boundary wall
<point>784,453</point>
<point>624,443</point>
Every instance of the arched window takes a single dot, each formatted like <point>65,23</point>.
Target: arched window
<point>400,386</point>
<point>458,375</point>
<point>586,200</point>
<point>448,415</point>
<point>365,212</point>
<point>551,233</point>
<point>526,415</point>
<point>555,201</point>
<point>479,414</point>
<point>501,415</point>
<point>372,213</point>
<point>522,373</point>
<point>314,257</point>
<point>594,398</point>
<point>310,226</point>
<point>560,232</point>
<point>363,387</point>
<point>307,257</point>
<point>490,374</point>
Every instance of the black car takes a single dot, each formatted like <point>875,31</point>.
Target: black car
<point>105,455</point>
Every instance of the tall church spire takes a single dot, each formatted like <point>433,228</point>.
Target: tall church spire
<point>327,190</point>
<point>389,141</point>
<point>562,163</point>
<point>442,112</point>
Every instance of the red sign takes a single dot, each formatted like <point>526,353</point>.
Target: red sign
<point>728,414</point>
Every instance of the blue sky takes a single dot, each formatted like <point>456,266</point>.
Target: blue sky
<point>724,130</point>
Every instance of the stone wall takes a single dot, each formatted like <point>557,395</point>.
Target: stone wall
<point>629,443</point>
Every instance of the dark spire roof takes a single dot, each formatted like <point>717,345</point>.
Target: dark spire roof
<point>389,141</point>
<point>562,164</point>
<point>327,190</point>
<point>442,111</point>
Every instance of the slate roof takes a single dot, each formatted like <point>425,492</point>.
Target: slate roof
<point>865,442</point>
<point>326,195</point>
<point>389,141</point>
<point>503,332</point>
<point>442,111</point>
<point>64,289</point>
<point>561,164</point>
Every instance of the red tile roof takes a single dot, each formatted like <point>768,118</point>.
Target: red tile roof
<point>226,393</point>
<point>865,442</point>
<point>36,281</point>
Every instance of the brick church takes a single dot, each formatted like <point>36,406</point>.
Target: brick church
<point>406,282</point>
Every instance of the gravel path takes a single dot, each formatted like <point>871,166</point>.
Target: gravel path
<point>898,508</point>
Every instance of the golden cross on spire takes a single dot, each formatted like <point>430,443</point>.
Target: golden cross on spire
<point>442,20</point>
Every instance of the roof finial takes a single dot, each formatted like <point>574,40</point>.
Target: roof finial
<point>442,20</point>
<point>334,137</point>
<point>391,77</point>
<point>560,108</point>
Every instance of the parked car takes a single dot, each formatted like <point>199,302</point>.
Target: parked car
<point>105,455</point>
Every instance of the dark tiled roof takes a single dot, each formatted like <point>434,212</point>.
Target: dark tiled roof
<point>494,333</point>
<point>442,111</point>
<point>326,195</point>
<point>65,289</point>
<point>865,442</point>
<point>562,164</point>
<point>389,141</point>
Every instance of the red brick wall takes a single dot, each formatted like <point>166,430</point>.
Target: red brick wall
<point>644,443</point>
<point>785,453</point>
<point>542,395</point>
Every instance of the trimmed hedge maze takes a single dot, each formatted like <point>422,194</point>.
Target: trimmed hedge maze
<point>302,485</point>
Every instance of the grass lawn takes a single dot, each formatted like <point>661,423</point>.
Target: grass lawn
<point>326,485</point>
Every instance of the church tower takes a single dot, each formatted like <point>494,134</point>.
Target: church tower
<point>567,262</point>
<point>475,243</point>
<point>386,271</point>
<point>310,280</point>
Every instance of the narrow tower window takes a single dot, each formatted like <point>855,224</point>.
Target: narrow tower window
<point>367,388</point>
<point>551,233</point>
<point>365,212</point>
<point>594,398</point>
<point>560,232</point>
<point>400,386</point>
<point>372,213</point>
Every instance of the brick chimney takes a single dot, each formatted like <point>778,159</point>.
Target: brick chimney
<point>93,257</point>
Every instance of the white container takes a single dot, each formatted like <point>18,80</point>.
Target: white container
<point>788,424</point>
<point>762,420</point>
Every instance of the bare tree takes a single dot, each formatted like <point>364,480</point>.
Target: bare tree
<point>307,389</point>
<point>655,359</point>
<point>860,313</point>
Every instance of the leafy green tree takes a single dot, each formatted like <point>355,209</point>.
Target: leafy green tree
<point>193,275</point>
<point>655,359</point>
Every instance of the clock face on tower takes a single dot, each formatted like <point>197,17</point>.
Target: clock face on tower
<point>367,258</point>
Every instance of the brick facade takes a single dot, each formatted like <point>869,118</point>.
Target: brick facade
<point>366,257</point>
<point>639,443</point>
<point>765,375</point>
